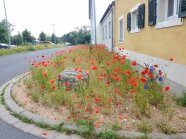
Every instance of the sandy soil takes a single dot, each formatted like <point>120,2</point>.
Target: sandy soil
<point>20,95</point>
<point>176,117</point>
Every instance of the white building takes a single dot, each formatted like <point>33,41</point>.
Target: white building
<point>107,27</point>
<point>92,17</point>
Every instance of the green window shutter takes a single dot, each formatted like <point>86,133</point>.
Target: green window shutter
<point>129,21</point>
<point>182,8</point>
<point>152,12</point>
<point>141,16</point>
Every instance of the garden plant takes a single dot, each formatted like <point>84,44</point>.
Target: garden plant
<point>115,96</point>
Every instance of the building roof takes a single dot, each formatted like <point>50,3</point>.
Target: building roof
<point>107,10</point>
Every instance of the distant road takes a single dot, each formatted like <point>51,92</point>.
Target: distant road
<point>11,66</point>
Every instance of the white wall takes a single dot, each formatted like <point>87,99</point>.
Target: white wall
<point>108,40</point>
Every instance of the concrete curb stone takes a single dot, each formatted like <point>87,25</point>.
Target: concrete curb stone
<point>39,119</point>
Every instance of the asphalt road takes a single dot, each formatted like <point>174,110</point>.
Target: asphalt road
<point>11,66</point>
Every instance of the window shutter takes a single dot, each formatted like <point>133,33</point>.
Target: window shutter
<point>129,21</point>
<point>141,16</point>
<point>182,8</point>
<point>152,12</point>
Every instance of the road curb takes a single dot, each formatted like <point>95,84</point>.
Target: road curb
<point>15,108</point>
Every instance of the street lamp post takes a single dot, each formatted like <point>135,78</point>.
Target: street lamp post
<point>53,25</point>
<point>7,26</point>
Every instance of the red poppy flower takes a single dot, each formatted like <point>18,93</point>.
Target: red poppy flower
<point>79,77</point>
<point>53,87</point>
<point>134,63</point>
<point>156,66</point>
<point>123,57</point>
<point>117,69</point>
<point>167,88</point>
<point>108,63</point>
<point>127,72</point>
<point>66,83</point>
<point>52,81</point>
<point>86,110</point>
<point>122,62</point>
<point>116,78</point>
<point>44,74</point>
<point>96,109</point>
<point>143,73</point>
<point>59,76</point>
<point>143,80</point>
<point>96,100</point>
<point>133,91</point>
<point>86,97</point>
<point>94,68</point>
<point>135,84</point>
<point>76,69</point>
<point>42,56</point>
<point>150,75</point>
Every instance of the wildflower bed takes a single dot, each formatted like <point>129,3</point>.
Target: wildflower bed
<point>116,96</point>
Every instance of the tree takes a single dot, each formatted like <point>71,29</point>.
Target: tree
<point>27,37</point>
<point>78,36</point>
<point>17,39</point>
<point>53,38</point>
<point>4,32</point>
<point>42,36</point>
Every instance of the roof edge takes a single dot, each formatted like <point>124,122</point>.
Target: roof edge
<point>107,10</point>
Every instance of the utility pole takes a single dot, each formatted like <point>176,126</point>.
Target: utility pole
<point>7,26</point>
<point>53,25</point>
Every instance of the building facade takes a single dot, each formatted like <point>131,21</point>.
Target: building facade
<point>107,27</point>
<point>153,32</point>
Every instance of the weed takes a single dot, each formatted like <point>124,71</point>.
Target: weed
<point>166,128</point>
<point>182,100</point>
<point>144,127</point>
<point>108,135</point>
<point>116,126</point>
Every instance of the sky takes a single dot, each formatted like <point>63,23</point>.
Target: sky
<point>39,15</point>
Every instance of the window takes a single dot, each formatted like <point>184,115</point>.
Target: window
<point>105,31</point>
<point>134,23</point>
<point>134,19</point>
<point>121,29</point>
<point>167,13</point>
<point>170,8</point>
<point>182,9</point>
<point>110,30</point>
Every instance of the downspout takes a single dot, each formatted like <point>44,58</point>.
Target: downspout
<point>112,30</point>
<point>95,21</point>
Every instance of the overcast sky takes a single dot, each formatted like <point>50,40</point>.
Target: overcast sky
<point>38,15</point>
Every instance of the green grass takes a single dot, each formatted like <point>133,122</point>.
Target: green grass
<point>182,100</point>
<point>20,49</point>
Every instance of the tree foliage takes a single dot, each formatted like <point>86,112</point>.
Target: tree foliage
<point>17,39</point>
<point>4,32</point>
<point>27,37</point>
<point>53,38</point>
<point>78,36</point>
<point>42,36</point>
